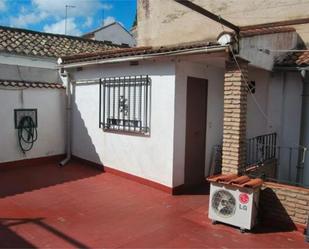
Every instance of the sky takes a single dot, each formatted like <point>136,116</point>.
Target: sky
<point>49,15</point>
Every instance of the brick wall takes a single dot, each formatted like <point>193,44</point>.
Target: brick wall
<point>284,204</point>
<point>235,110</point>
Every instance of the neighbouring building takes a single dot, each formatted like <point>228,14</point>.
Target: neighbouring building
<point>172,23</point>
<point>113,32</point>
<point>196,98</point>
<point>30,79</point>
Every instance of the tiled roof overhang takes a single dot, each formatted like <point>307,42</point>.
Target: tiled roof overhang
<point>140,51</point>
<point>293,59</point>
<point>32,43</point>
<point>30,84</point>
<point>265,31</point>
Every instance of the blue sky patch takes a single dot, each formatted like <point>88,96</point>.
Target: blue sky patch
<point>49,15</point>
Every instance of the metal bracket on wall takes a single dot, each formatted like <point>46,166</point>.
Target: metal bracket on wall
<point>20,113</point>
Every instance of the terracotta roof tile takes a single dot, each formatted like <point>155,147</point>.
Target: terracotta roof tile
<point>240,180</point>
<point>237,181</point>
<point>293,59</point>
<point>27,42</point>
<point>265,31</point>
<point>125,52</point>
<point>28,84</point>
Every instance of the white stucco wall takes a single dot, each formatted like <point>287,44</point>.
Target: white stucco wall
<point>285,99</point>
<point>50,106</point>
<point>161,157</point>
<point>258,103</point>
<point>28,73</point>
<point>279,96</point>
<point>284,111</point>
<point>256,49</point>
<point>147,157</point>
<point>116,34</point>
<point>215,77</point>
<point>28,61</point>
<point>279,101</point>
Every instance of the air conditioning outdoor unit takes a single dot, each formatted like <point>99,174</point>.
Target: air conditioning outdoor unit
<point>234,200</point>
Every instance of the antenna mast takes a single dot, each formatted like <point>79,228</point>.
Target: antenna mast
<point>66,17</point>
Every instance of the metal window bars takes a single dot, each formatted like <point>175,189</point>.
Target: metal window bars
<point>125,104</point>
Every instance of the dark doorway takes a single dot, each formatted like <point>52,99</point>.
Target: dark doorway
<point>195,131</point>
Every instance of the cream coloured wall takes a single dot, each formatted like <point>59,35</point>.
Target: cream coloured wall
<point>162,22</point>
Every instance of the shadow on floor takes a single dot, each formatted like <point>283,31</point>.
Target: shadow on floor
<point>201,189</point>
<point>264,228</point>
<point>9,238</point>
<point>17,180</point>
<point>272,214</point>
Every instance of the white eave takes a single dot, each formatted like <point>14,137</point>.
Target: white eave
<point>28,61</point>
<point>191,51</point>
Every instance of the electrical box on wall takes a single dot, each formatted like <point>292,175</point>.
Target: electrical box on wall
<point>26,122</point>
<point>21,113</point>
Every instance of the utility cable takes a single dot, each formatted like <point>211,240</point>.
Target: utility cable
<point>245,80</point>
<point>248,86</point>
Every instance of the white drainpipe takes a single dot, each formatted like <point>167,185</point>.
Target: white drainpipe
<point>66,75</point>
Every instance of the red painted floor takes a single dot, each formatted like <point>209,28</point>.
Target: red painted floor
<point>79,207</point>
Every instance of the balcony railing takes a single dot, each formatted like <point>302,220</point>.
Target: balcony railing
<point>261,149</point>
<point>267,160</point>
<point>289,165</point>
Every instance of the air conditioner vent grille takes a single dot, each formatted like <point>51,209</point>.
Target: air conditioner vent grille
<point>223,203</point>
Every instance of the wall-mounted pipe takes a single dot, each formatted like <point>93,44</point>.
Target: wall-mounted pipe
<point>303,168</point>
<point>66,75</point>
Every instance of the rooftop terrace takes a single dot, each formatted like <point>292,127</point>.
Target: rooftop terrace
<point>44,206</point>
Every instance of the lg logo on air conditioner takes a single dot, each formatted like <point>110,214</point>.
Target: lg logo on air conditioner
<point>243,199</point>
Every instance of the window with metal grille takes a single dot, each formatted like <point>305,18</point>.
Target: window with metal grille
<point>125,104</point>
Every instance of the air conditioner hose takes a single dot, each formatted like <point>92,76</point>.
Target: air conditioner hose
<point>27,133</point>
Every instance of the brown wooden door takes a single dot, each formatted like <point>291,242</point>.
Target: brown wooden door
<point>195,131</point>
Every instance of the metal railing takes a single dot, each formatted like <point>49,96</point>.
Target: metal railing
<point>261,148</point>
<point>265,159</point>
<point>124,104</point>
<point>290,165</point>
<point>216,161</point>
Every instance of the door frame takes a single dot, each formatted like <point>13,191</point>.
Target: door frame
<point>205,81</point>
